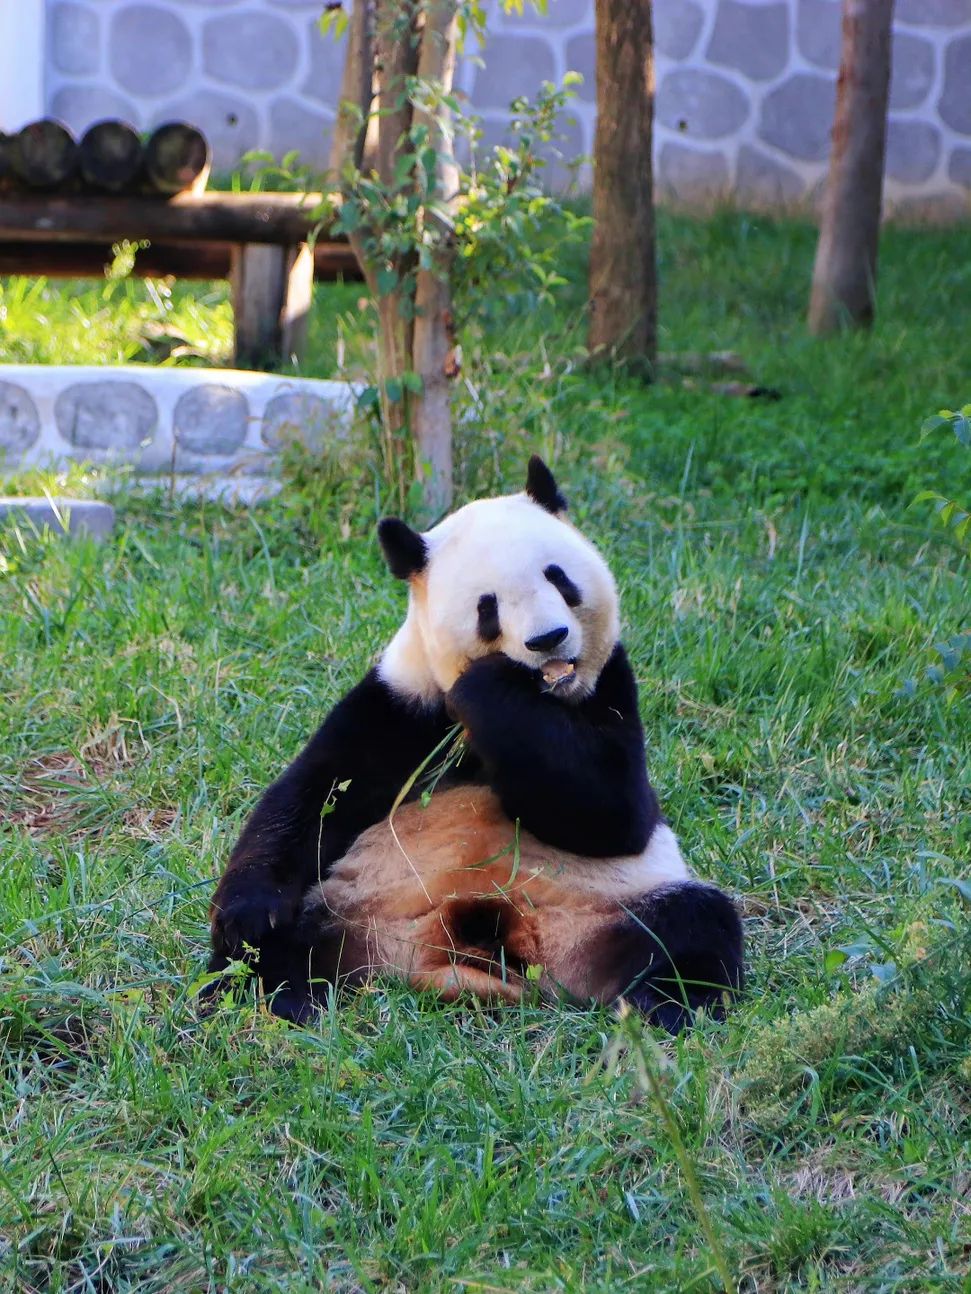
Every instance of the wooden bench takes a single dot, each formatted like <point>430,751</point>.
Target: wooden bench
<point>260,242</point>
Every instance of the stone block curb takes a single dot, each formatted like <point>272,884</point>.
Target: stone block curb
<point>71,517</point>
<point>164,423</point>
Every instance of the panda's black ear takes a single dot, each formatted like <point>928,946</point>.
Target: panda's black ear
<point>541,486</point>
<point>404,549</point>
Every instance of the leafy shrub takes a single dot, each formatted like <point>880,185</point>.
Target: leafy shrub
<point>952,516</point>
<point>953,668</point>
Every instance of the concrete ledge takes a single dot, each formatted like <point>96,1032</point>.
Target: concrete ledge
<point>165,422</point>
<point>62,516</point>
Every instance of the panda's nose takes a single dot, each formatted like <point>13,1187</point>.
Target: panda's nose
<point>546,642</point>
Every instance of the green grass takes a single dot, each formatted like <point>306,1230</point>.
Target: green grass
<point>777,593</point>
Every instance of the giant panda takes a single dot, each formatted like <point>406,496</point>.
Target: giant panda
<point>536,852</point>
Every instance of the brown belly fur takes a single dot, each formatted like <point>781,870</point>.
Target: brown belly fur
<point>451,898</point>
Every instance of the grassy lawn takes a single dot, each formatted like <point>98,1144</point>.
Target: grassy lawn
<point>778,593</point>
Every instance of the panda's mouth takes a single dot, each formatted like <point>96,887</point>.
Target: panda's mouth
<point>559,675</point>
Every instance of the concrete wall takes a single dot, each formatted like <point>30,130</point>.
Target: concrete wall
<point>216,433</point>
<point>745,88</point>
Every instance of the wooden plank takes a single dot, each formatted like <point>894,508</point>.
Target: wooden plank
<point>258,278</point>
<point>298,295</point>
<point>88,260</point>
<point>335,260</point>
<point>281,218</point>
<point>183,260</point>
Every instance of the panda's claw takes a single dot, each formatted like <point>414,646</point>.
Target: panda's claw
<point>243,919</point>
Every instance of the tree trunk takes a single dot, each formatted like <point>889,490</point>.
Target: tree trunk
<point>394,360</point>
<point>431,421</point>
<point>623,282</point>
<point>431,411</point>
<point>845,273</point>
<point>396,46</point>
<point>408,38</point>
<point>357,86</point>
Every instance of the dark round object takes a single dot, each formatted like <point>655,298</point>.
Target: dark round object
<point>6,157</point>
<point>45,154</point>
<point>111,156</point>
<point>177,158</point>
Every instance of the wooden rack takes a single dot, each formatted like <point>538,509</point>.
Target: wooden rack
<point>260,242</point>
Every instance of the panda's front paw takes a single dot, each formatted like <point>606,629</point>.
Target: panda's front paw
<point>496,669</point>
<point>487,681</point>
<point>247,910</point>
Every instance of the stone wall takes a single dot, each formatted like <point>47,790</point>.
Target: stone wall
<point>252,75</point>
<point>221,432</point>
<point>745,88</point>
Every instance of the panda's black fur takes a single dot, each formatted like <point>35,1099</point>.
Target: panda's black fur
<point>570,773</point>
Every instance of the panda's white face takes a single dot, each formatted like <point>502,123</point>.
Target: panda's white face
<point>505,575</point>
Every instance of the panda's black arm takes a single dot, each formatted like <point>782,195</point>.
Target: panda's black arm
<point>372,739</point>
<point>573,774</point>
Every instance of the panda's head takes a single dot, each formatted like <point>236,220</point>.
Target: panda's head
<point>507,575</point>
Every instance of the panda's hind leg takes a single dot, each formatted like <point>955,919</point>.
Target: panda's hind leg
<point>674,951</point>
<point>456,980</point>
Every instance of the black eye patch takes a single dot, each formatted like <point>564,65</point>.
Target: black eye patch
<point>567,590</point>
<point>489,617</point>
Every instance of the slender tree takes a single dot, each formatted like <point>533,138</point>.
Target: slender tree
<point>357,90</point>
<point>423,230</point>
<point>398,78</point>
<point>623,277</point>
<point>845,273</point>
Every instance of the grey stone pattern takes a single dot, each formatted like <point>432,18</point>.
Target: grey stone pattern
<point>210,419</point>
<point>108,416</point>
<point>254,74</point>
<point>185,423</point>
<point>298,416</point>
<point>745,88</point>
<point>19,419</point>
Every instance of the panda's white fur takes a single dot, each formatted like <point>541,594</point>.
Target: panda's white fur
<point>502,546</point>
